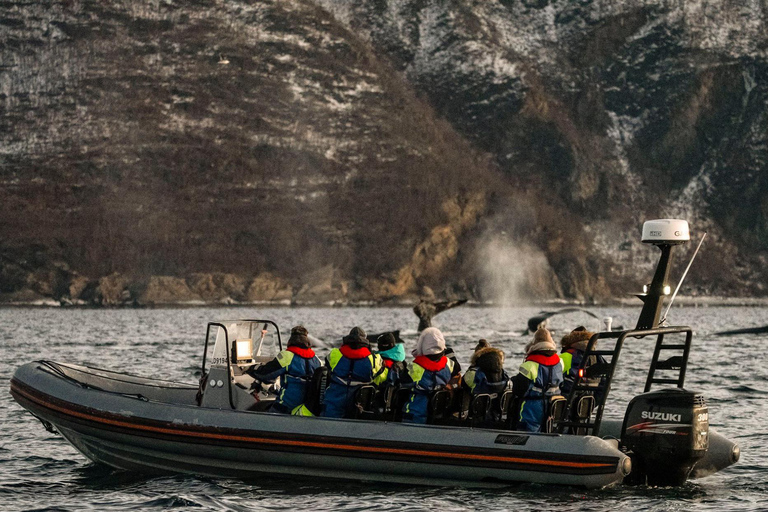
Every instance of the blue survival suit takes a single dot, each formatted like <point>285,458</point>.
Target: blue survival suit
<point>539,379</point>
<point>294,367</point>
<point>478,382</point>
<point>428,375</point>
<point>350,368</point>
<point>486,374</point>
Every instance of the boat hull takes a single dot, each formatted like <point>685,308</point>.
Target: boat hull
<point>132,433</point>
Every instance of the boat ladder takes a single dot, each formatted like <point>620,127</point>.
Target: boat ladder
<point>677,363</point>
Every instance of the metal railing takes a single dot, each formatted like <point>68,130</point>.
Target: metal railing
<point>603,388</point>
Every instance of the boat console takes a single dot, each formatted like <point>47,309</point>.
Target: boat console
<point>227,383</point>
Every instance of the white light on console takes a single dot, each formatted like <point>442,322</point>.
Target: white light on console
<point>244,349</point>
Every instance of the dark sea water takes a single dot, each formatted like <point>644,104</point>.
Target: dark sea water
<point>41,471</point>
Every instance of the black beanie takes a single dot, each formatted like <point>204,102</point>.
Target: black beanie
<point>386,341</point>
<point>356,338</point>
<point>299,337</point>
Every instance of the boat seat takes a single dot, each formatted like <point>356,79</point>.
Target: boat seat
<point>512,405</point>
<point>440,402</point>
<point>400,396</point>
<point>383,402</point>
<point>556,408</point>
<point>582,413</point>
<point>463,403</point>
<point>491,410</point>
<point>363,402</point>
<point>584,407</point>
<point>506,404</point>
<point>316,391</point>
<point>479,409</point>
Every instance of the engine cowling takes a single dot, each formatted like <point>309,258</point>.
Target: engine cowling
<point>667,431</point>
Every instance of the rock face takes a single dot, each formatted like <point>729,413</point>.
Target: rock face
<point>297,151</point>
<point>167,290</point>
<point>266,288</point>
<point>618,111</point>
<point>113,290</point>
<point>217,287</point>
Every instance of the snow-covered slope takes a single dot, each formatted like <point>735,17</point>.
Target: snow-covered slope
<point>315,150</point>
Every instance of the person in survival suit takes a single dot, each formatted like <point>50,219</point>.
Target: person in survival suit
<point>431,371</point>
<point>574,344</point>
<point>538,381</point>
<point>392,352</point>
<point>294,367</point>
<point>351,366</point>
<point>393,357</point>
<point>486,375</point>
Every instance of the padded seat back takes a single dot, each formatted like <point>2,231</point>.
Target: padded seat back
<point>439,404</point>
<point>399,398</point>
<point>316,390</point>
<point>479,409</point>
<point>363,403</point>
<point>555,409</point>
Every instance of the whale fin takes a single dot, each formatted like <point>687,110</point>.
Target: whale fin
<point>426,310</point>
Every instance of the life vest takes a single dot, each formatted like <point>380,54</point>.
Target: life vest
<point>297,365</point>
<point>572,360</point>
<point>355,367</point>
<point>477,382</point>
<point>350,369</point>
<point>545,374</point>
<point>427,376</point>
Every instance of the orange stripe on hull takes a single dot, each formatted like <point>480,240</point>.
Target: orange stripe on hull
<point>313,444</point>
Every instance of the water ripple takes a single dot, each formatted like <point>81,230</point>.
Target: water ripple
<point>42,472</point>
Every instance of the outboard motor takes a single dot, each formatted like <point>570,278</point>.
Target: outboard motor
<point>667,432</point>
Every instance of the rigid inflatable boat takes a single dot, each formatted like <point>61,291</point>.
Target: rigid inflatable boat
<point>220,427</point>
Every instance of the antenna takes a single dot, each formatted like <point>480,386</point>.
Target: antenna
<point>664,234</point>
<point>664,318</point>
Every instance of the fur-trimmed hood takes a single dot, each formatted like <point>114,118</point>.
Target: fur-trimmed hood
<point>577,339</point>
<point>542,341</point>
<point>488,359</point>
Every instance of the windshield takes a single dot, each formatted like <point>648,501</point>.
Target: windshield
<point>249,342</point>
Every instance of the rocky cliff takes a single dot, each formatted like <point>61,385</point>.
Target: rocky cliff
<point>297,151</point>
